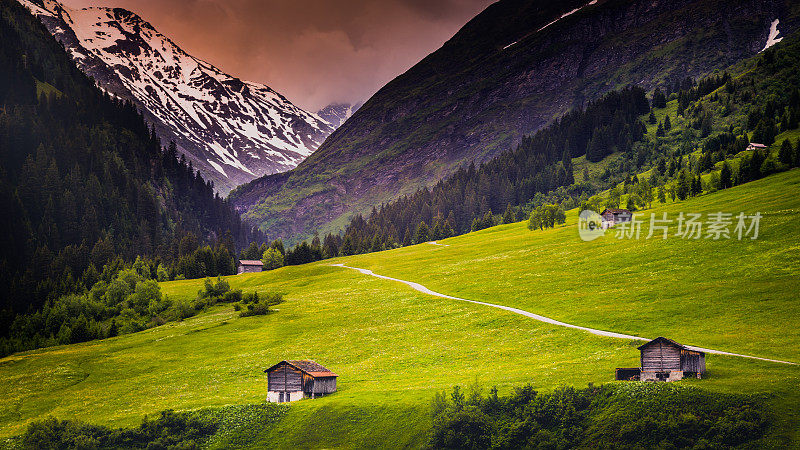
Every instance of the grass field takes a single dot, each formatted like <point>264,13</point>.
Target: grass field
<point>394,347</point>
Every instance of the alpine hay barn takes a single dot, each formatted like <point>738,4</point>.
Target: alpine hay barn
<point>292,380</point>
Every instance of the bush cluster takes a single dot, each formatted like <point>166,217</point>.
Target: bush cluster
<point>630,415</point>
<point>255,304</point>
<point>170,430</point>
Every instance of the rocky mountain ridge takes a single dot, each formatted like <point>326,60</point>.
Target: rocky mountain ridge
<point>231,130</point>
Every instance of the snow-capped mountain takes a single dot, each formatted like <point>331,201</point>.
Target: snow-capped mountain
<point>232,130</point>
<point>337,113</point>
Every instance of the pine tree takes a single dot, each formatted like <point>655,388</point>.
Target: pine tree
<point>112,329</point>
<point>595,150</point>
<point>422,234</point>
<point>682,185</point>
<point>348,247</point>
<point>659,99</point>
<point>651,119</point>
<point>660,130</point>
<point>725,180</point>
<point>797,153</point>
<point>407,237</point>
<point>377,245</point>
<point>667,123</point>
<point>786,152</point>
<point>509,216</point>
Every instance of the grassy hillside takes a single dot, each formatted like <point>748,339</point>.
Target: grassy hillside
<point>394,347</point>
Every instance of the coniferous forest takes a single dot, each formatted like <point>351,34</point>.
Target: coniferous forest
<point>541,163</point>
<point>85,184</point>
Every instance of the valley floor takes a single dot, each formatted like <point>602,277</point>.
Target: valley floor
<point>394,347</point>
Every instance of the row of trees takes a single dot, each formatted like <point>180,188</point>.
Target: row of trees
<point>546,216</point>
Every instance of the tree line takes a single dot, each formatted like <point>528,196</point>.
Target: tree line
<point>470,198</point>
<point>533,177</point>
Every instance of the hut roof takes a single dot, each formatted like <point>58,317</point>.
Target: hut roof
<point>307,366</point>
<point>670,342</point>
<point>615,211</point>
<point>251,262</point>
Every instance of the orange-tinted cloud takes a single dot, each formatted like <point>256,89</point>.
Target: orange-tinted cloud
<point>313,51</point>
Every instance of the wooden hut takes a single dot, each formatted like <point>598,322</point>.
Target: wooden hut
<point>613,216</point>
<point>248,265</point>
<point>755,146</point>
<point>292,380</point>
<point>663,359</point>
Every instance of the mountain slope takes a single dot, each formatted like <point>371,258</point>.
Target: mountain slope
<point>507,73</point>
<point>232,130</point>
<point>83,181</point>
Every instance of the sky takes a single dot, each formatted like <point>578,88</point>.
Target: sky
<point>315,52</point>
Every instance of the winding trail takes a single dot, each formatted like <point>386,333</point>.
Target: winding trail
<point>424,290</point>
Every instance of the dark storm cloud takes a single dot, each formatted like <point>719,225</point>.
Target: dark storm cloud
<point>313,51</point>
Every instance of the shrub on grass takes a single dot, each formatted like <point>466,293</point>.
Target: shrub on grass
<point>629,415</point>
<point>214,290</point>
<point>170,429</point>
<point>254,304</point>
<point>254,309</point>
<point>250,297</point>
<point>232,296</point>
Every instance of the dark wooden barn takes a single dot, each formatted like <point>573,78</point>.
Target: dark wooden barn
<point>247,266</point>
<point>292,380</point>
<point>663,359</point>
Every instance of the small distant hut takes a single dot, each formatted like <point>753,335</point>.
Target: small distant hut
<point>613,216</point>
<point>292,380</point>
<point>249,265</point>
<point>663,359</point>
<point>755,146</point>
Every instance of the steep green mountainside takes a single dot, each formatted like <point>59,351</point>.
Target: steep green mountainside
<point>690,135</point>
<point>83,180</point>
<point>478,94</point>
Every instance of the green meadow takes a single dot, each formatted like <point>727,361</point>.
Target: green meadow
<point>394,347</point>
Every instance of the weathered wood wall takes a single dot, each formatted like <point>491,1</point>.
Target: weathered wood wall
<point>326,385</point>
<point>693,362</point>
<point>285,378</point>
<point>248,269</point>
<point>661,356</point>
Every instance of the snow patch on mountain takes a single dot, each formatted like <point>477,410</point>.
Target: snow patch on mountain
<point>566,14</point>
<point>232,130</point>
<point>773,35</point>
<point>337,113</point>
